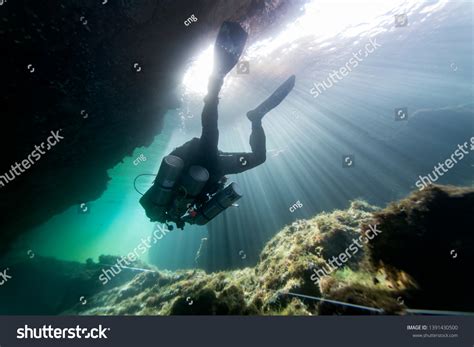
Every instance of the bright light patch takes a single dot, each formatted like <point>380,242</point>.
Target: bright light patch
<point>322,20</point>
<point>195,78</point>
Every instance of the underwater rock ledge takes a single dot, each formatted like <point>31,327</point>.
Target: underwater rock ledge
<point>396,269</point>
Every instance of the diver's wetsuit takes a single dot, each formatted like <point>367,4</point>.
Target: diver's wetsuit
<point>204,151</point>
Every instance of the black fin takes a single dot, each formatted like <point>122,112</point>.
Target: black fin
<point>229,46</point>
<point>273,100</point>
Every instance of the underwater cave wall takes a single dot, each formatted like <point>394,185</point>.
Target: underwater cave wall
<point>101,74</point>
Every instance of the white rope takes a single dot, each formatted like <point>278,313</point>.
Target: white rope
<point>378,310</point>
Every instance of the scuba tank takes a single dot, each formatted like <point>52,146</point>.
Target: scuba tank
<point>169,173</point>
<point>178,197</point>
<point>217,204</point>
<point>195,180</point>
<point>161,193</point>
<point>173,190</point>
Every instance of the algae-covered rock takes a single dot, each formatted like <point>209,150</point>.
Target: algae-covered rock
<point>429,235</point>
<point>411,247</point>
<point>286,266</point>
<point>378,299</point>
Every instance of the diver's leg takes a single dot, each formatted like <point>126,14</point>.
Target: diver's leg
<point>258,142</point>
<point>233,163</point>
<point>229,45</point>
<point>209,118</point>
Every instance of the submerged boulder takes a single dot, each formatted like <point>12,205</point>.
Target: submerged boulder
<point>429,235</point>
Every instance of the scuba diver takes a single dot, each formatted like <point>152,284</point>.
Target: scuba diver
<point>191,184</point>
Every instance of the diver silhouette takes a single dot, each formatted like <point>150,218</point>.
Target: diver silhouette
<point>191,183</point>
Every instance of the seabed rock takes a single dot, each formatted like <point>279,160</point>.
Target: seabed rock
<point>408,264</point>
<point>429,235</point>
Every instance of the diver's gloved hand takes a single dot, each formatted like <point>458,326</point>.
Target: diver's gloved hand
<point>273,100</point>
